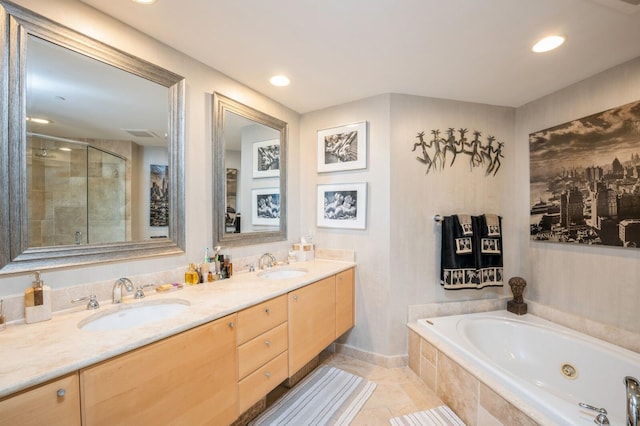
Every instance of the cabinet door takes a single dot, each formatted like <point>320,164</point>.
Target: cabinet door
<point>187,379</point>
<point>345,298</point>
<point>55,403</point>
<point>312,321</point>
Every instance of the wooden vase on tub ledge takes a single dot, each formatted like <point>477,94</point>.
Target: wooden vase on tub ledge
<point>517,305</point>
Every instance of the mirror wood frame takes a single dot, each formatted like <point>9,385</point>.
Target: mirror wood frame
<point>222,104</point>
<point>16,24</point>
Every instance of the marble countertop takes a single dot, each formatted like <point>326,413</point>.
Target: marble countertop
<point>35,353</point>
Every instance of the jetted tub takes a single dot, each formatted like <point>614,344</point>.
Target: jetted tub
<point>550,367</point>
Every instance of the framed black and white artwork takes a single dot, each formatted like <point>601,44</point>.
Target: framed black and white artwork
<point>265,206</point>
<point>266,158</point>
<point>159,195</point>
<point>584,180</point>
<point>342,205</point>
<point>343,148</point>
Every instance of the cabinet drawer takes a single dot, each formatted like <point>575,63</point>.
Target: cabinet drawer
<point>261,349</point>
<point>257,319</point>
<point>261,382</point>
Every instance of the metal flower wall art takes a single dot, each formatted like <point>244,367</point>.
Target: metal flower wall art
<point>440,151</point>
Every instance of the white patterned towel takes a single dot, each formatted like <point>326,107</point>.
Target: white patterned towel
<point>439,416</point>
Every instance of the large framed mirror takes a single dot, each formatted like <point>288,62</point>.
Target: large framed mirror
<point>250,175</point>
<point>91,149</point>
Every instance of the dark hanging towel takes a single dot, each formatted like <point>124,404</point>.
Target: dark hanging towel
<point>471,252</point>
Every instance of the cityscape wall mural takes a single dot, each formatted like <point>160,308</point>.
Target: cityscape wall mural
<point>585,180</point>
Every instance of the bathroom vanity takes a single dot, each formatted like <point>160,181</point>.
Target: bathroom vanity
<point>239,339</point>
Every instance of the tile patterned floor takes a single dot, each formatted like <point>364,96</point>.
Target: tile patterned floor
<point>399,391</point>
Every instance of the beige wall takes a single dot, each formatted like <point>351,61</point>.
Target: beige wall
<point>372,332</point>
<point>398,255</point>
<point>416,197</point>
<point>599,283</point>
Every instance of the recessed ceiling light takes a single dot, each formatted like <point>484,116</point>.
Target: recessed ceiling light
<point>144,1</point>
<point>280,80</point>
<point>548,43</point>
<point>39,120</point>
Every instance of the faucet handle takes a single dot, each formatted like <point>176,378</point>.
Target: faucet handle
<point>251,267</point>
<point>140,291</point>
<point>601,418</point>
<point>92,304</point>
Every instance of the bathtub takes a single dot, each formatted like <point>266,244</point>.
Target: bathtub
<point>540,367</point>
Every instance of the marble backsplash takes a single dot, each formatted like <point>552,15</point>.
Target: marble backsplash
<point>61,298</point>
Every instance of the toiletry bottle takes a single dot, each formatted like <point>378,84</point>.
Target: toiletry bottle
<point>201,277</point>
<point>237,223</point>
<point>3,319</point>
<point>222,270</point>
<point>191,276</point>
<point>37,302</point>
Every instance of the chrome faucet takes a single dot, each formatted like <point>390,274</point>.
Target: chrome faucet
<point>271,261</point>
<point>633,401</point>
<point>117,288</point>
<point>601,418</point>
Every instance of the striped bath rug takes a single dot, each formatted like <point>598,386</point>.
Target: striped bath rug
<point>327,396</point>
<point>439,416</point>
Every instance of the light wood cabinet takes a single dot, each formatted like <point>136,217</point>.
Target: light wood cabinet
<point>53,403</point>
<point>262,381</point>
<point>206,375</point>
<point>345,301</point>
<point>259,318</point>
<point>312,321</point>
<point>262,350</point>
<point>189,379</point>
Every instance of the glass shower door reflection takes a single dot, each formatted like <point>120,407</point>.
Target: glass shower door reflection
<point>106,194</point>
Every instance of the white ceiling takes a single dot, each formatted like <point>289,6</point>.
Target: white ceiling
<point>337,51</point>
<point>85,98</point>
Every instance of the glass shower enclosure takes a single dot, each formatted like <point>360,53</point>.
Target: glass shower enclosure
<point>76,193</point>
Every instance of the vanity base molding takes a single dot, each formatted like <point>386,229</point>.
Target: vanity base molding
<point>251,413</point>
<point>302,373</point>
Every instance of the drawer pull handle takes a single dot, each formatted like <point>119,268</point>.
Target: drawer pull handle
<point>295,297</point>
<point>268,311</point>
<point>61,393</point>
<point>267,374</point>
<point>267,342</point>
<point>232,324</point>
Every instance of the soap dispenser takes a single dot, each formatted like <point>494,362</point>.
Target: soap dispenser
<point>37,302</point>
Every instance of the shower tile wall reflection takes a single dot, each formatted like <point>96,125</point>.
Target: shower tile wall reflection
<point>78,194</point>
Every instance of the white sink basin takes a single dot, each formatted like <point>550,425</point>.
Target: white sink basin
<point>281,274</point>
<point>135,315</point>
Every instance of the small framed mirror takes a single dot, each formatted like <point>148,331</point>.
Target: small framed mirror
<point>250,175</point>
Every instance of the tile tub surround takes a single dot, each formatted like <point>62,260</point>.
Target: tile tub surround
<point>35,353</point>
<point>473,400</point>
<point>617,336</point>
